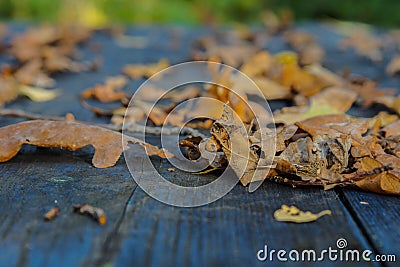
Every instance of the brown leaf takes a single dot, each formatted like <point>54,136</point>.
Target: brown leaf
<point>283,135</point>
<point>257,65</point>
<point>368,92</point>
<point>31,73</point>
<point>382,182</point>
<point>365,44</point>
<point>307,158</point>
<point>51,214</point>
<point>333,100</point>
<point>394,66</point>
<point>109,92</point>
<point>334,126</point>
<point>245,151</point>
<point>392,129</point>
<point>70,135</point>
<point>137,71</point>
<point>312,54</point>
<point>97,214</point>
<point>8,90</point>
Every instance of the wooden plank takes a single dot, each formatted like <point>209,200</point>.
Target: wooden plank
<point>230,231</point>
<point>32,182</point>
<point>378,217</point>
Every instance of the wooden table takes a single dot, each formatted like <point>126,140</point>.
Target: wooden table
<point>144,232</point>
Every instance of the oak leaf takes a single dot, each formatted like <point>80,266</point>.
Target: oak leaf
<point>70,135</point>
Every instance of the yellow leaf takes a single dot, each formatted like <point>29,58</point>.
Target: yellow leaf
<point>293,214</point>
<point>38,94</point>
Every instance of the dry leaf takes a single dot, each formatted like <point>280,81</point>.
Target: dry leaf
<point>38,94</point>
<point>257,65</point>
<point>51,214</point>
<point>70,135</point>
<point>364,43</point>
<point>8,90</point>
<point>293,214</point>
<point>394,66</point>
<point>333,100</point>
<point>246,152</point>
<point>109,92</point>
<point>312,54</point>
<point>392,129</point>
<point>97,214</point>
<point>368,92</point>
<point>386,182</point>
<point>137,71</point>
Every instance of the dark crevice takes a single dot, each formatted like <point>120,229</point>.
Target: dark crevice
<point>359,223</point>
<point>106,249</point>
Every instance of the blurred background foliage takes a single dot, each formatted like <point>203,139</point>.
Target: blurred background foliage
<point>101,12</point>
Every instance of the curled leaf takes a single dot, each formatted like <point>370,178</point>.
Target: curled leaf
<point>51,214</point>
<point>293,214</point>
<point>38,94</point>
<point>109,91</point>
<point>96,213</point>
<point>70,135</point>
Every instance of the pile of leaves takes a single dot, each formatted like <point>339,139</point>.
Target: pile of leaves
<point>316,142</point>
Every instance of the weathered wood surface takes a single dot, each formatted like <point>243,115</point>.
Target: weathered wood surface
<point>144,232</point>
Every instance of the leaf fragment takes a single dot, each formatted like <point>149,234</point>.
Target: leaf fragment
<point>97,214</point>
<point>295,215</point>
<point>51,214</point>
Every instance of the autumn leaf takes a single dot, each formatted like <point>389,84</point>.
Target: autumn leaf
<point>394,66</point>
<point>97,214</point>
<point>108,92</point>
<point>70,135</point>
<point>333,100</point>
<point>293,214</point>
<point>137,71</point>
<point>38,94</point>
<point>386,182</point>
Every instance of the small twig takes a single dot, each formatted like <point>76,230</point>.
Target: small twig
<point>27,115</point>
<point>294,183</point>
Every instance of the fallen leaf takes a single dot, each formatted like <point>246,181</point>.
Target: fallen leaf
<point>333,100</point>
<point>8,90</point>
<point>293,214</point>
<point>247,153</point>
<point>394,66</point>
<point>368,91</point>
<point>38,94</point>
<point>51,214</point>
<point>384,182</point>
<point>137,71</point>
<point>364,43</point>
<point>70,135</point>
<point>257,65</point>
<point>97,214</point>
<point>108,92</point>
